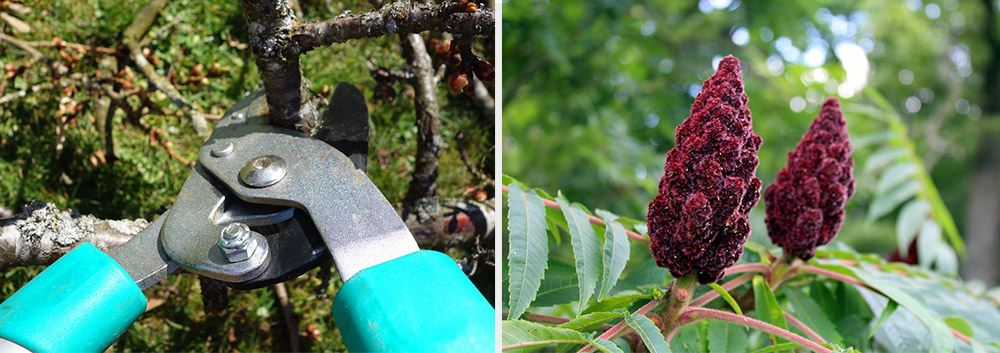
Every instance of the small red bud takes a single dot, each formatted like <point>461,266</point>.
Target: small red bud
<point>458,81</point>
<point>484,70</point>
<point>468,7</point>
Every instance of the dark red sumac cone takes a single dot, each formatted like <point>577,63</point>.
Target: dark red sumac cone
<point>805,204</point>
<point>698,220</point>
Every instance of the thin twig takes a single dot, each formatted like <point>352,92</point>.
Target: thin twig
<point>289,313</point>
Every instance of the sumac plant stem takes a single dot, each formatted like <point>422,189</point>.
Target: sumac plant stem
<point>692,315</point>
<point>678,301</point>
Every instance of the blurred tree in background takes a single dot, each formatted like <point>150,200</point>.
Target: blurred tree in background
<point>592,92</point>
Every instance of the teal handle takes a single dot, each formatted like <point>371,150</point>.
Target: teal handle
<point>421,302</point>
<point>80,303</point>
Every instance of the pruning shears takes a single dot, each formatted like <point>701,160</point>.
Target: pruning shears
<point>263,205</point>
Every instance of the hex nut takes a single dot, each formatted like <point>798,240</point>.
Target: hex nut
<point>241,253</point>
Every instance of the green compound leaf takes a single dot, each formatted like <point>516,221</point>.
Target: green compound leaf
<point>649,333</point>
<point>724,337</point>
<point>586,248</point>
<point>616,253</point>
<point>529,248</point>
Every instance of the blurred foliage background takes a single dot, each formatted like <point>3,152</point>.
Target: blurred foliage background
<point>46,156</point>
<point>592,93</point>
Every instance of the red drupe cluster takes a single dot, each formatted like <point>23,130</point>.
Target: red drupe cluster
<point>805,205</point>
<point>698,220</point>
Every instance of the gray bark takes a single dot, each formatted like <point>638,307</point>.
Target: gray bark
<point>42,233</point>
<point>422,198</point>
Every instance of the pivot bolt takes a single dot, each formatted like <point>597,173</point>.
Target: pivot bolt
<point>263,171</point>
<point>237,242</point>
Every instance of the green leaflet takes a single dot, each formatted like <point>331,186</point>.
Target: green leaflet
<point>686,340</point>
<point>529,249</point>
<point>616,302</point>
<point>591,319</point>
<point>649,333</point>
<point>529,336</point>
<point>811,314</point>
<point>895,175</point>
<point>778,347</point>
<point>605,346</point>
<point>616,253</point>
<point>961,325</point>
<point>911,217</point>
<point>927,243</point>
<point>890,308</point>
<point>728,298</point>
<point>724,337</point>
<point>886,202</point>
<point>586,248</point>
<point>559,285</point>
<point>766,305</point>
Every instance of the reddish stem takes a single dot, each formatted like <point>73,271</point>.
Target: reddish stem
<point>618,329</point>
<point>754,267</point>
<point>961,336</point>
<point>835,275</point>
<point>809,332</point>
<point>694,314</point>
<point>594,220</point>
<point>728,286</point>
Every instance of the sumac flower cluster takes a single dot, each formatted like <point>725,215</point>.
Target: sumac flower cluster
<point>805,205</point>
<point>698,220</point>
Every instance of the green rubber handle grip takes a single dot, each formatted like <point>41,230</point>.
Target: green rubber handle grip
<point>421,302</point>
<point>80,303</point>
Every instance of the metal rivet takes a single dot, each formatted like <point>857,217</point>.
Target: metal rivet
<point>238,116</point>
<point>222,151</point>
<point>263,171</point>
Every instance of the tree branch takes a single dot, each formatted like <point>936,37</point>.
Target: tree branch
<point>41,234</point>
<point>270,23</point>
<point>421,198</point>
<point>400,17</point>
